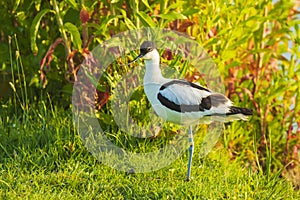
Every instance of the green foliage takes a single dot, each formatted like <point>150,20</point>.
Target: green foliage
<point>34,29</point>
<point>255,45</point>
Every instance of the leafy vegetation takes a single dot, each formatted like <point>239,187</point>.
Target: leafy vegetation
<point>43,43</point>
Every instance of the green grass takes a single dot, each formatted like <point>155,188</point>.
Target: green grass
<point>42,157</point>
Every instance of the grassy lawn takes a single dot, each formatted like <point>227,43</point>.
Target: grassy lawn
<point>42,157</point>
<point>254,44</point>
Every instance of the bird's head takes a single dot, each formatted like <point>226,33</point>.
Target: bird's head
<point>147,51</point>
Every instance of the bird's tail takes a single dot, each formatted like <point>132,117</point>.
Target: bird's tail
<point>236,113</point>
<point>236,110</point>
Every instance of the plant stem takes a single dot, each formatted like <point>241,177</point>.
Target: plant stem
<point>65,38</point>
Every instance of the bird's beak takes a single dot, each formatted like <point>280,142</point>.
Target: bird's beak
<point>139,56</point>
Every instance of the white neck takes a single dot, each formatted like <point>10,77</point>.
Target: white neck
<point>153,71</point>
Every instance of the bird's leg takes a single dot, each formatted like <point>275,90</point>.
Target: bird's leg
<point>191,150</point>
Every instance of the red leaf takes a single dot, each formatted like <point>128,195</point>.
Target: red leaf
<point>84,16</point>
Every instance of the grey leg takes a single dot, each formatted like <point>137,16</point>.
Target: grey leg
<point>191,150</point>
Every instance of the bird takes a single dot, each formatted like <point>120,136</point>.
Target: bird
<point>183,102</point>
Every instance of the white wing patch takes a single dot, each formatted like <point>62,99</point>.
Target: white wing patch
<point>184,94</point>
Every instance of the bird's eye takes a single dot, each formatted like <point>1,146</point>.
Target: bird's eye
<point>149,48</point>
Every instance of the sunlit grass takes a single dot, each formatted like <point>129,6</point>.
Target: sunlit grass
<point>43,158</point>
